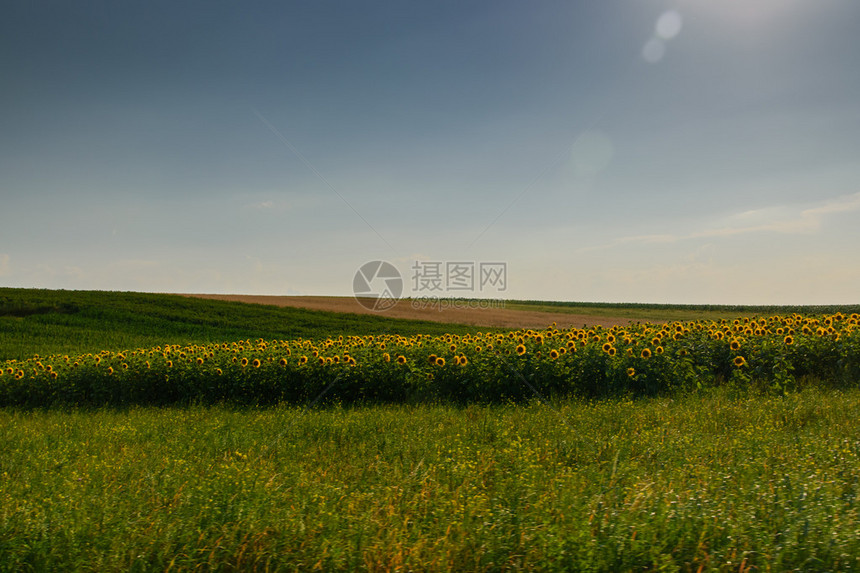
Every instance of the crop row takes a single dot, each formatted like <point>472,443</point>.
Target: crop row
<point>640,359</point>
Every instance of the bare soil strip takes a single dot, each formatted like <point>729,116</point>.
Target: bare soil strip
<point>487,317</point>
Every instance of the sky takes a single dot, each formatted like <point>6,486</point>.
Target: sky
<point>686,151</point>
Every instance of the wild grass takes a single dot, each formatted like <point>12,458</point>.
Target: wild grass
<point>703,482</point>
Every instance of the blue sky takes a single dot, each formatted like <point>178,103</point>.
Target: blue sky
<point>686,151</point>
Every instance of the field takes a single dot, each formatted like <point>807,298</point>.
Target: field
<point>66,322</point>
<point>695,444</point>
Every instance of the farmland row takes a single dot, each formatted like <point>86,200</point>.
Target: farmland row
<point>640,359</point>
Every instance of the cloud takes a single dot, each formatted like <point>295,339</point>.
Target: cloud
<point>5,268</point>
<point>781,219</point>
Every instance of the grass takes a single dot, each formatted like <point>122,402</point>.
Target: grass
<point>73,322</point>
<point>709,481</point>
<point>669,312</point>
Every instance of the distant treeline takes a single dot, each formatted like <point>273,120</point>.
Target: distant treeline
<point>738,308</point>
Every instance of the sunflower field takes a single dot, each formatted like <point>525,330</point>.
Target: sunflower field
<point>775,352</point>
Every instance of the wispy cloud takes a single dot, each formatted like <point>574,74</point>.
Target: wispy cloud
<point>787,220</point>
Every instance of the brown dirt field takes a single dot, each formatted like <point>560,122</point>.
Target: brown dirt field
<point>496,317</point>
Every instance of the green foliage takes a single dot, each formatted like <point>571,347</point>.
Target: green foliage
<point>482,367</point>
<point>695,482</point>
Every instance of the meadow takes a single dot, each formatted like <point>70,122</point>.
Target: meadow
<point>228,438</point>
<point>716,482</point>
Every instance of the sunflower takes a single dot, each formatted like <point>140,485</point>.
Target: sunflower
<point>440,361</point>
<point>646,353</point>
<point>606,347</point>
<point>739,361</point>
<point>658,350</point>
<point>735,344</point>
<point>631,372</point>
<point>244,362</point>
<point>788,340</point>
<point>199,361</point>
<point>463,360</point>
<point>553,354</point>
<point>386,357</point>
<point>521,349</point>
<point>401,359</point>
<point>219,372</point>
<point>282,361</point>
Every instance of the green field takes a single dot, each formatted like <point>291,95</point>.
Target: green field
<point>73,322</point>
<point>713,482</point>
<point>664,312</point>
<point>758,469</point>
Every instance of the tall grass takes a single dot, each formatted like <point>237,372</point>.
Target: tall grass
<point>702,482</point>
